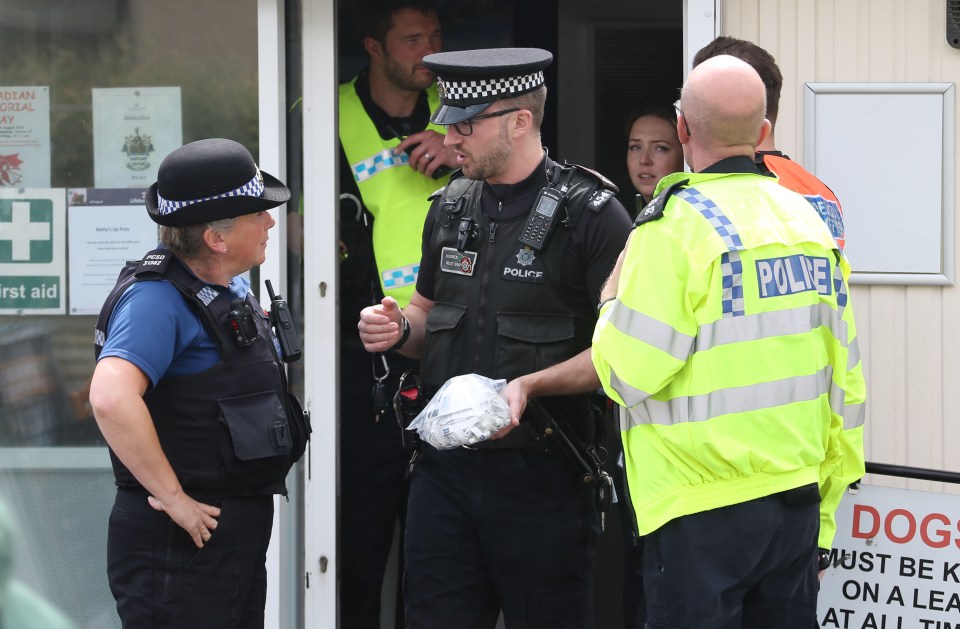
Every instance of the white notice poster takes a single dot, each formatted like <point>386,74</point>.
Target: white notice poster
<point>106,228</point>
<point>134,128</point>
<point>25,137</point>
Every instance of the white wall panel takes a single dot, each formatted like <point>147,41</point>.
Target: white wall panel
<point>909,334</point>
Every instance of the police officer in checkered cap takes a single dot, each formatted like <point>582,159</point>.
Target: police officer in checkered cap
<point>515,249</point>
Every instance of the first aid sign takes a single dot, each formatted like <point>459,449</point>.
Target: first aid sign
<point>32,251</point>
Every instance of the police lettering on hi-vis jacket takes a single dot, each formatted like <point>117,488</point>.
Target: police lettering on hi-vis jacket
<point>726,333</point>
<point>515,250</point>
<point>190,394</point>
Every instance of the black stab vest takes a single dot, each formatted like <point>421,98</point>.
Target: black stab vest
<point>510,317</point>
<point>232,430</point>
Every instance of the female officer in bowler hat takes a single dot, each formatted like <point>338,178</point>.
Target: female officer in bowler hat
<point>196,415</point>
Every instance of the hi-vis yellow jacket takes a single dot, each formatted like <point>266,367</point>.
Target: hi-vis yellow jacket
<point>732,347</point>
<point>395,194</point>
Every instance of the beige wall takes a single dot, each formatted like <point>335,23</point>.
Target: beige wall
<point>909,337</point>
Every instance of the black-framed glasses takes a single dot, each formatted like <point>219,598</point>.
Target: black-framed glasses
<point>686,126</point>
<point>465,127</point>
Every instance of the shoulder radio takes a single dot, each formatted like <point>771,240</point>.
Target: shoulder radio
<point>548,206</point>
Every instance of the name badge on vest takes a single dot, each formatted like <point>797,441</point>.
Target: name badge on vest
<point>459,262</point>
<point>527,267</point>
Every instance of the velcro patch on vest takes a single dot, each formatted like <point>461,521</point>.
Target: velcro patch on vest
<point>458,262</point>
<point>789,275</point>
<point>527,268</point>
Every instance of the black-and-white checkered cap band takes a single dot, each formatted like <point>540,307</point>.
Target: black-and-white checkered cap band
<point>461,93</point>
<point>253,188</point>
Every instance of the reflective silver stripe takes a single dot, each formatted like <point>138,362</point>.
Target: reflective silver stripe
<point>854,415</point>
<point>731,400</point>
<point>763,325</point>
<point>837,399</point>
<point>629,394</point>
<point>650,331</point>
<point>853,354</point>
<point>753,327</point>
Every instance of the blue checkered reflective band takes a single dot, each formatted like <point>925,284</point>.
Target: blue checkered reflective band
<point>730,264</point>
<point>841,287</point>
<point>207,294</point>
<point>732,277</point>
<point>715,216</point>
<point>387,158</point>
<point>401,276</point>
<point>253,188</point>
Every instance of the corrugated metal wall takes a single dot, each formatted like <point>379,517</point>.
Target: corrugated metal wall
<point>909,335</point>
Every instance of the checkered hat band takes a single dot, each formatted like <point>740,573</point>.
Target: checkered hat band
<point>253,188</point>
<point>462,93</point>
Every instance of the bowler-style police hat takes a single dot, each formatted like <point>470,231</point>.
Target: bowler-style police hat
<point>209,180</point>
<point>469,81</point>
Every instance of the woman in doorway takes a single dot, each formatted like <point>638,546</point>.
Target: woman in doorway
<point>653,150</point>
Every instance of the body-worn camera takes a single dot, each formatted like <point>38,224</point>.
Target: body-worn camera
<point>241,324</point>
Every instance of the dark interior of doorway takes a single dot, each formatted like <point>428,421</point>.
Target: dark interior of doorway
<point>636,60</point>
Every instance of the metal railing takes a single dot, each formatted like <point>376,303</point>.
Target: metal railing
<point>918,473</point>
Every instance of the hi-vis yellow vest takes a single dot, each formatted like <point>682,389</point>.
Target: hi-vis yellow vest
<point>732,347</point>
<point>395,194</point>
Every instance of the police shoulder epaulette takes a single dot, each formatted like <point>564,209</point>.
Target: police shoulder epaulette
<point>599,197</point>
<point>654,210</point>
<point>457,185</point>
<point>606,183</point>
<point>155,261</point>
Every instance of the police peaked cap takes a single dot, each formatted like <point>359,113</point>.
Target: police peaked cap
<point>469,81</point>
<point>210,180</point>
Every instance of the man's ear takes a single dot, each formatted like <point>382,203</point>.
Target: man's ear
<point>682,134</point>
<point>373,48</point>
<point>765,130</point>
<point>522,123</point>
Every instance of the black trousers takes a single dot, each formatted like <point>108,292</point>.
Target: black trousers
<point>750,565</point>
<point>161,580</point>
<point>373,491</point>
<point>487,530</point>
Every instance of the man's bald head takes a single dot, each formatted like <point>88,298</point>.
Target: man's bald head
<point>724,101</point>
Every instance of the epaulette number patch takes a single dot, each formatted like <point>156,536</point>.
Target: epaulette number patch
<point>598,198</point>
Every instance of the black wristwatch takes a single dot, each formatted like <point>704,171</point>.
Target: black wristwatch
<point>404,335</point>
<point>823,558</point>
